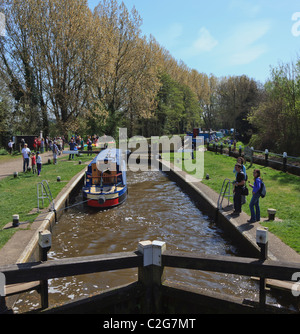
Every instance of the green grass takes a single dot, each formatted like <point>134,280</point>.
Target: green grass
<point>283,194</point>
<point>19,195</point>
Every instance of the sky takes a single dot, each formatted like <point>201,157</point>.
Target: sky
<point>224,37</point>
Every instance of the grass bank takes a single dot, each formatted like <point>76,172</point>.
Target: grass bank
<point>283,194</point>
<point>19,195</point>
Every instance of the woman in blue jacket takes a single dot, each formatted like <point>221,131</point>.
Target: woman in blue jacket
<point>255,214</point>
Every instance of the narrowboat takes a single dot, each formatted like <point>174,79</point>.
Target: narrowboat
<point>105,183</point>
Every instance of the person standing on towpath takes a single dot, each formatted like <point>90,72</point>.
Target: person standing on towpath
<point>238,188</point>
<point>25,154</point>
<point>255,215</point>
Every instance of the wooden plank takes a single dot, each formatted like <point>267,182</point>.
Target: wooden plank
<point>14,289</point>
<point>232,265</point>
<point>28,272</point>
<point>276,284</point>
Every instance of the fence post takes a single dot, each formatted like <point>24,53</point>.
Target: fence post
<point>262,242</point>
<point>44,246</point>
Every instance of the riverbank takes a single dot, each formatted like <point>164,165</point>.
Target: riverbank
<point>19,196</point>
<point>241,232</point>
<point>283,194</point>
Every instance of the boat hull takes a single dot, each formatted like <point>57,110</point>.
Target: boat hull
<point>105,201</point>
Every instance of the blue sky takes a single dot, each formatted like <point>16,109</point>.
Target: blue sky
<point>224,37</point>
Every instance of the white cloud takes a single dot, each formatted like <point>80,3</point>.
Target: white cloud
<point>247,56</point>
<point>246,44</point>
<point>245,8</point>
<point>204,42</point>
<point>171,36</point>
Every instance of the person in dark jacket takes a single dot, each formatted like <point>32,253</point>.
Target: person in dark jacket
<point>72,145</point>
<point>238,189</point>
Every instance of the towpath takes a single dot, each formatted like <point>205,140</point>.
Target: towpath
<point>8,167</point>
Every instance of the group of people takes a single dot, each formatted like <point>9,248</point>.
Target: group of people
<point>239,188</point>
<point>36,160</point>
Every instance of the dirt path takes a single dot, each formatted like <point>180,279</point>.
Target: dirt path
<point>7,168</point>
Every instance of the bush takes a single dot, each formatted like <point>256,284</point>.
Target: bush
<point>3,151</point>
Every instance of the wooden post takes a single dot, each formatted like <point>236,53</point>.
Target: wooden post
<point>262,242</point>
<point>151,275</point>
<point>145,275</point>
<point>158,248</point>
<point>3,307</point>
<point>44,247</point>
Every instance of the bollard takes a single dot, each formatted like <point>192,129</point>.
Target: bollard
<point>262,242</point>
<point>240,150</point>
<point>284,161</point>
<point>272,213</point>
<point>16,221</point>
<point>267,157</point>
<point>58,179</point>
<point>229,150</point>
<point>45,241</point>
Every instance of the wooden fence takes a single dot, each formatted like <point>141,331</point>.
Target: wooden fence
<point>264,158</point>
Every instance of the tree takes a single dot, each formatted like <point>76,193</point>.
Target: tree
<point>61,36</point>
<point>237,96</point>
<point>277,118</point>
<point>17,65</point>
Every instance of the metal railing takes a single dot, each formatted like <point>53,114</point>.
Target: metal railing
<point>225,192</point>
<point>44,192</point>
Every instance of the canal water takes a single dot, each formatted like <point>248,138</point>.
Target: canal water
<point>156,209</point>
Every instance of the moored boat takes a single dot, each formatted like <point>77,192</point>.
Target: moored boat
<point>105,180</point>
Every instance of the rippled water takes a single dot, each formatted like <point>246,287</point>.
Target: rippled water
<point>156,209</point>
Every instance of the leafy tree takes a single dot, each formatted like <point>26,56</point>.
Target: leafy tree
<point>277,118</point>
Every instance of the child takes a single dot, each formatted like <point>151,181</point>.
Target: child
<point>38,162</point>
<point>33,163</point>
